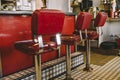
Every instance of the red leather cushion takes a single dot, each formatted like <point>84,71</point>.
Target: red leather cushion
<point>83,21</point>
<point>100,19</point>
<point>29,47</point>
<point>118,42</point>
<point>70,39</point>
<point>91,35</point>
<point>47,21</point>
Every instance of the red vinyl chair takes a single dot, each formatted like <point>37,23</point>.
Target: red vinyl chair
<point>94,35</point>
<point>44,22</point>
<point>82,23</point>
<point>98,24</point>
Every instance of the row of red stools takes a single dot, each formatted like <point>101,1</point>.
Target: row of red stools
<point>50,22</point>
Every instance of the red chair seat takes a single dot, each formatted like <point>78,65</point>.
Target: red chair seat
<point>92,35</point>
<point>28,46</point>
<point>70,39</point>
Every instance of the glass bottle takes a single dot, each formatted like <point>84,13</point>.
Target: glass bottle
<point>119,13</point>
<point>111,13</point>
<point>116,13</point>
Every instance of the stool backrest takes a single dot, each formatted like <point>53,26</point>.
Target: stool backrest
<point>100,19</point>
<point>47,21</point>
<point>83,21</point>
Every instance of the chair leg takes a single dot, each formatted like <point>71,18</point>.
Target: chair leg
<point>38,66</point>
<point>87,68</point>
<point>119,52</point>
<point>98,44</point>
<point>68,63</point>
<point>75,47</point>
<point>0,66</point>
<point>58,52</point>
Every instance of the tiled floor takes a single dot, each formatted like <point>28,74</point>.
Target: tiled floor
<point>109,71</point>
<point>105,67</point>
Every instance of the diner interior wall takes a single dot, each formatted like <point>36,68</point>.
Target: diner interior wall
<point>64,5</point>
<point>96,3</point>
<point>58,4</point>
<point>110,31</point>
<point>0,2</point>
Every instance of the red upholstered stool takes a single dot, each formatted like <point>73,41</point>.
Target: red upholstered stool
<point>83,22</point>
<point>94,35</point>
<point>44,22</point>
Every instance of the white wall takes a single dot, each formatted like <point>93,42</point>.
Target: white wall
<point>0,3</point>
<point>58,4</point>
<point>111,28</point>
<point>96,3</point>
<point>65,4</point>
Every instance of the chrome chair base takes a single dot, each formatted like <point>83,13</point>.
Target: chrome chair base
<point>88,69</point>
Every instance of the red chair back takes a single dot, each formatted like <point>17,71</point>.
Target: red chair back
<point>100,19</point>
<point>83,21</point>
<point>47,21</point>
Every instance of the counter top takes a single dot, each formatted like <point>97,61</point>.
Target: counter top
<point>27,13</point>
<point>70,14</point>
<point>16,12</point>
<point>30,12</point>
<point>113,19</point>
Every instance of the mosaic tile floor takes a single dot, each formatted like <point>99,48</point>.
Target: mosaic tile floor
<point>109,71</point>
